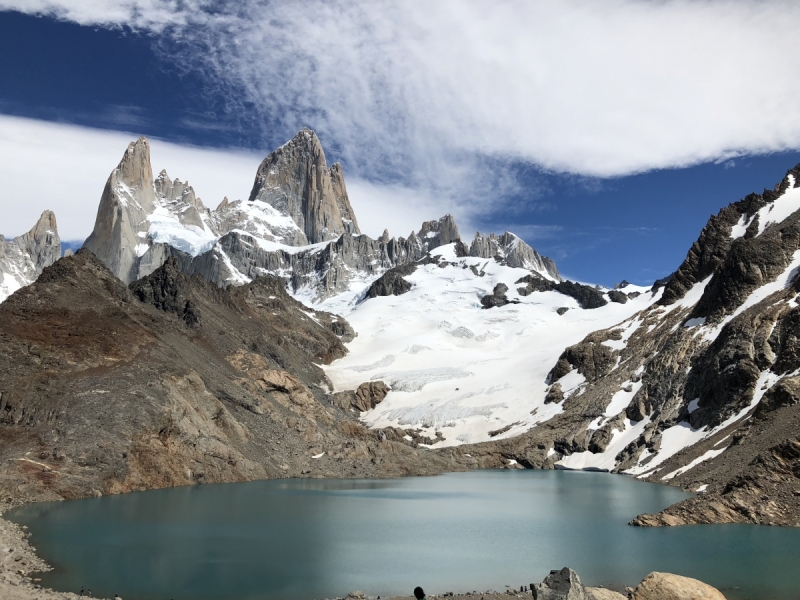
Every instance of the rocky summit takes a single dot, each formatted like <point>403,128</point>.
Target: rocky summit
<point>269,337</point>
<point>23,258</point>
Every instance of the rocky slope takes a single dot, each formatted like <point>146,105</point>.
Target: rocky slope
<point>480,351</point>
<point>23,258</point>
<point>106,388</point>
<point>700,388</point>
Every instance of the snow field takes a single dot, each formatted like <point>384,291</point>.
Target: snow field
<point>456,367</point>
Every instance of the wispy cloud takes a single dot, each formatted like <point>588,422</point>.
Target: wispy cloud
<point>436,97</point>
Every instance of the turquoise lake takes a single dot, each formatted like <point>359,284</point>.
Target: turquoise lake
<point>314,538</point>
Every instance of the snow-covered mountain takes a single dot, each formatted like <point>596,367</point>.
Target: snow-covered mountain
<point>23,258</point>
<point>481,348</point>
<point>297,224</point>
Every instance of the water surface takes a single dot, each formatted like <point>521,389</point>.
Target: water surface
<point>313,538</point>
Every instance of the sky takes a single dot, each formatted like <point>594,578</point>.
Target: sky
<point>604,134</point>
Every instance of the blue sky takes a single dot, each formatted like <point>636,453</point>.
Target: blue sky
<point>582,151</point>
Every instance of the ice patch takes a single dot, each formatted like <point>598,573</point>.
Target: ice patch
<point>621,399</point>
<point>693,405</point>
<point>462,332</point>
<point>384,362</point>
<point>415,349</point>
<point>694,322</point>
<point>740,228</point>
<point>780,209</point>
<point>414,381</point>
<point>435,414</point>
<point>605,461</point>
<point>707,456</point>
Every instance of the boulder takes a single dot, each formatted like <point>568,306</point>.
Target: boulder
<point>560,585</point>
<point>554,394</point>
<point>617,296</point>
<point>497,297</point>
<point>603,594</point>
<point>666,586</point>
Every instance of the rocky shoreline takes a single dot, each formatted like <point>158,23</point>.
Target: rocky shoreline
<point>19,565</point>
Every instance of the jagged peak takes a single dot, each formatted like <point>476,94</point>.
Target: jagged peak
<point>46,223</point>
<point>134,169</point>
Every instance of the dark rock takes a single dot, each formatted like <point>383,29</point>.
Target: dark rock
<point>587,297</point>
<point>168,289</point>
<point>593,360</point>
<point>617,296</point>
<point>554,394</point>
<point>562,310</point>
<point>392,283</point>
<point>561,585</point>
<point>497,297</point>
<point>784,393</point>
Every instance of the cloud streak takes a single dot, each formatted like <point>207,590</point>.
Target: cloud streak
<point>435,97</point>
<point>579,86</point>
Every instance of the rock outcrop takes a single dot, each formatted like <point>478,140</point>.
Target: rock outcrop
<point>128,200</point>
<point>23,258</point>
<point>296,181</point>
<point>511,250</point>
<point>497,297</point>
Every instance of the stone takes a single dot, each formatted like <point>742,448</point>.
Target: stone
<point>497,297</point>
<point>514,252</point>
<point>560,585</point>
<point>617,296</point>
<point>593,593</point>
<point>392,283</point>
<point>554,394</point>
<point>128,199</point>
<point>666,586</point>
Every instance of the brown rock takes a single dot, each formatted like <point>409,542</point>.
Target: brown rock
<point>666,586</point>
<point>603,594</point>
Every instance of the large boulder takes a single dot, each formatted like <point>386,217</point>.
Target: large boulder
<point>603,594</point>
<point>666,586</point>
<point>560,585</point>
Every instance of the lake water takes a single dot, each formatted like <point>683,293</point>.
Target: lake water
<point>314,538</point>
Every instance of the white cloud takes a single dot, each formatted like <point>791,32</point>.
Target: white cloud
<point>63,168</point>
<point>596,88</point>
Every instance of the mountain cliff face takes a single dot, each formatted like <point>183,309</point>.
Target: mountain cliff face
<point>23,258</point>
<point>295,180</point>
<point>297,224</point>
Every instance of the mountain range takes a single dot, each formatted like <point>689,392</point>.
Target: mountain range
<point>269,337</point>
